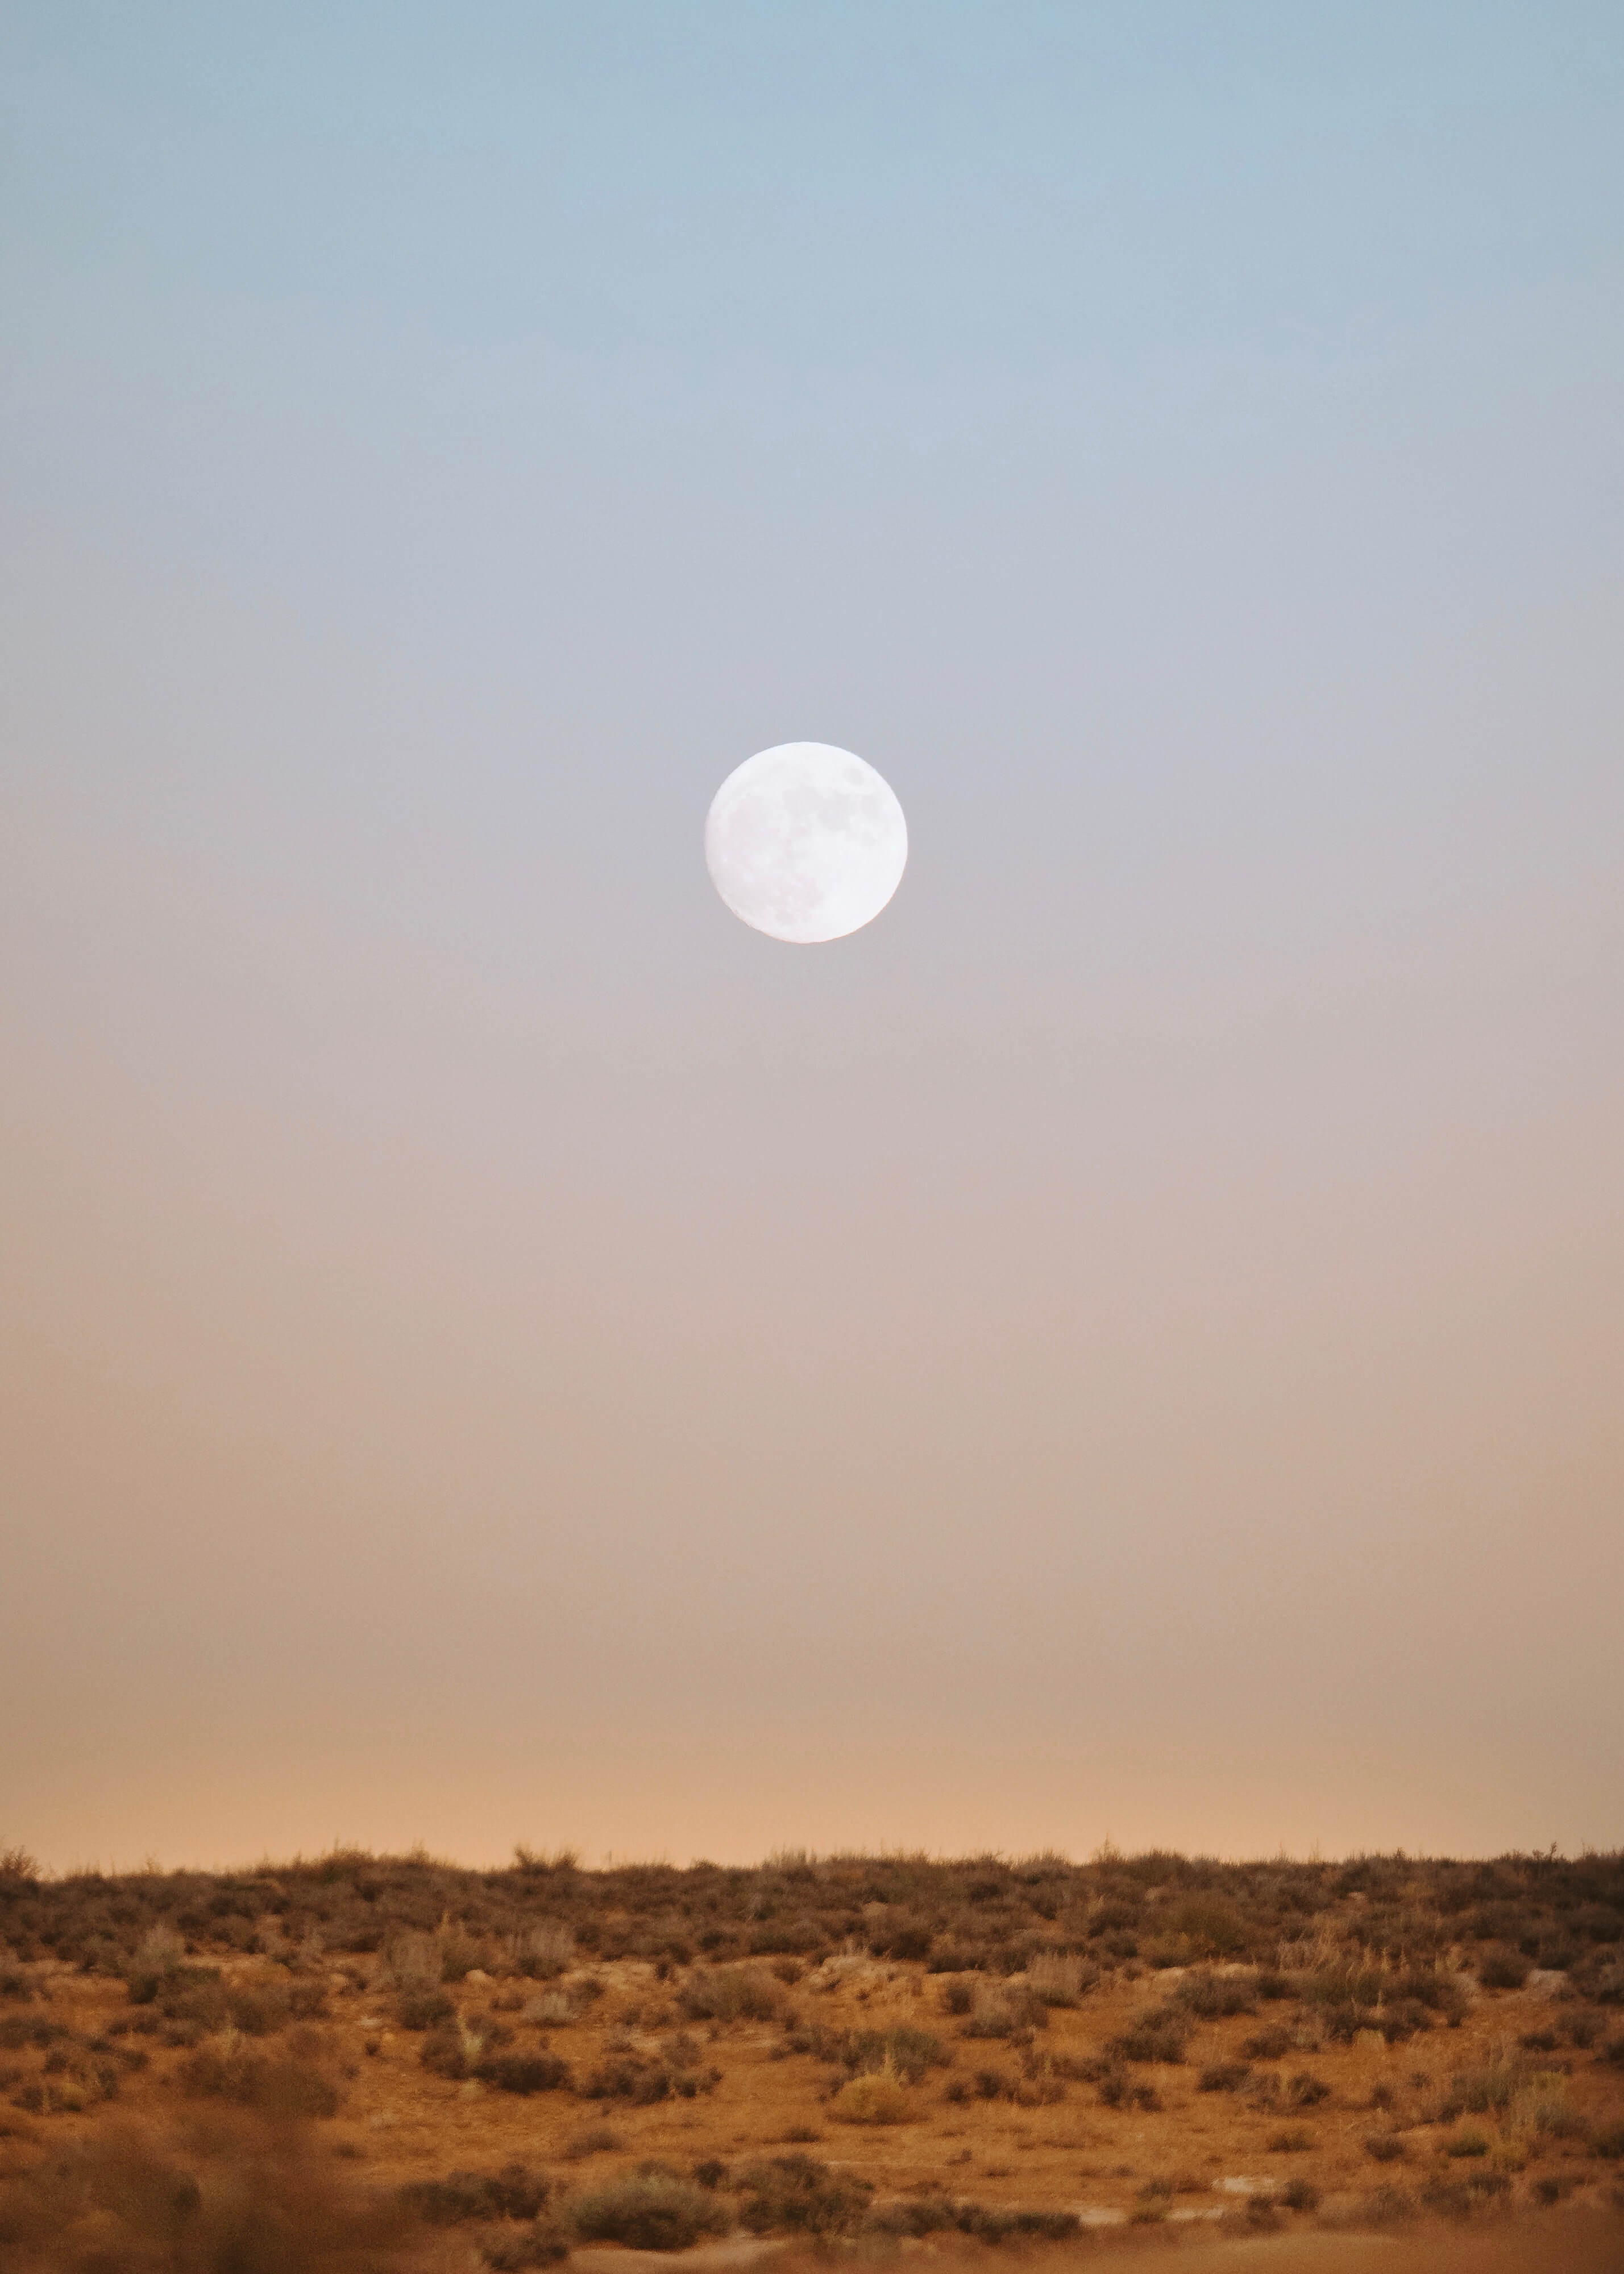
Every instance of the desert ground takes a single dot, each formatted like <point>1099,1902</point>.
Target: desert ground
<point>1311,2065</point>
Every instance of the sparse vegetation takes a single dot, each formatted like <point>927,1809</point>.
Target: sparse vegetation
<point>951,2000</point>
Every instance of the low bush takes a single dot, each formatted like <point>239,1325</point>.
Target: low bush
<point>1059,1977</point>
<point>1293,2141</point>
<point>878,2096</point>
<point>1013,2011</point>
<point>796,2194</point>
<point>541,1950</point>
<point>1459,2198</point>
<point>1385,2148</point>
<point>654,2209</point>
<point>1477,2091</point>
<point>523,2072</point>
<point>1225,2076</point>
<point>1210,1923</point>
<point>906,1938</point>
<point>259,2010</point>
<point>551,2009</point>
<point>1273,2044</point>
<point>730,1993</point>
<point>907,2053</point>
<point>1212,1997</point>
<point>423,2009</point>
<point>1502,1969</point>
<point>1159,2033</point>
<point>1470,2141</point>
<point>643,2082</point>
<point>591,2140</point>
<point>458,1953</point>
<point>159,1955</point>
<point>515,2191</point>
<point>1300,2195</point>
<point>450,2051</point>
<point>912,2217</point>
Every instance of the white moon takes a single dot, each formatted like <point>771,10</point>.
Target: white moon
<point>806,842</point>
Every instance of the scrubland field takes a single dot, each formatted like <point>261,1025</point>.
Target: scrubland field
<point>390,2062</point>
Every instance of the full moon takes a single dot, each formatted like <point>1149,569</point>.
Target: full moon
<point>806,842</point>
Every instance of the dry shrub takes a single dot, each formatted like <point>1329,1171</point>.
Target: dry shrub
<point>1059,1977</point>
<point>593,2139</point>
<point>541,1950</point>
<point>236,2198</point>
<point>1012,2013</point>
<point>629,2076</point>
<point>412,1962</point>
<point>1273,2044</point>
<point>156,1959</point>
<point>551,2009</point>
<point>1213,1997</point>
<point>654,2208</point>
<point>1503,1969</point>
<point>731,1993</point>
<point>1159,2033</point>
<point>906,2052</point>
<point>1210,1923</point>
<point>1118,2090</point>
<point>259,2010</point>
<point>515,2191</point>
<point>912,2216</point>
<point>799,2195</point>
<point>879,2097</point>
<point>424,2008</point>
<point>459,1953</point>
<point>523,2072</point>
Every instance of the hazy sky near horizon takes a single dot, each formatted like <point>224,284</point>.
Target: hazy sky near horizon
<point>1130,1345</point>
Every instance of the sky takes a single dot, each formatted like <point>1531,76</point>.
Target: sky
<point>1129,1345</point>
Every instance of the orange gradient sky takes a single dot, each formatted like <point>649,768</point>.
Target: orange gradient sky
<point>1128,1346</point>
